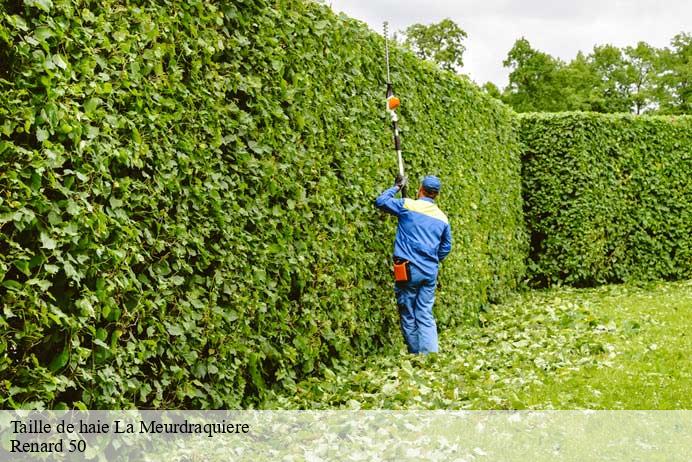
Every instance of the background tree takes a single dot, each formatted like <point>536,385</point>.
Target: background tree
<point>612,94</point>
<point>674,82</point>
<point>491,89</point>
<point>635,79</point>
<point>579,85</point>
<point>641,66</point>
<point>441,43</point>
<point>533,81</point>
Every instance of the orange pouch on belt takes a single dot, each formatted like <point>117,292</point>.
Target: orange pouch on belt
<point>402,273</point>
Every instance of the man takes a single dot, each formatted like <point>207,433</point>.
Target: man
<point>423,239</point>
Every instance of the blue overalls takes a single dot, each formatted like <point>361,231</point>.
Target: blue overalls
<point>424,238</point>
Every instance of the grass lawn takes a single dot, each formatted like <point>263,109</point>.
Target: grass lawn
<point>613,347</point>
<point>650,333</point>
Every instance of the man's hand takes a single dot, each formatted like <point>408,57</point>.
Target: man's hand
<point>400,181</point>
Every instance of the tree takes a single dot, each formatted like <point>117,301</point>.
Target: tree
<point>634,79</point>
<point>533,81</point>
<point>579,83</point>
<point>492,90</point>
<point>441,43</point>
<point>613,93</point>
<point>640,73</point>
<point>674,82</point>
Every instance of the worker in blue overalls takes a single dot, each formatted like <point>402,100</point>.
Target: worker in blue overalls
<point>423,240</point>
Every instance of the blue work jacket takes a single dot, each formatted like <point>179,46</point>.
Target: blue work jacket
<point>423,235</point>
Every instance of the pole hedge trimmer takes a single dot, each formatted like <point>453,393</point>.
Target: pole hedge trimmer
<point>392,104</point>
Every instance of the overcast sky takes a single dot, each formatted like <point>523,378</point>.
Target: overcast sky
<point>560,28</point>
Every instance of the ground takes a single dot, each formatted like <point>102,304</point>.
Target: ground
<point>612,347</point>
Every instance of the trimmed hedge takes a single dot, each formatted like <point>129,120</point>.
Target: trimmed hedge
<point>607,198</point>
<point>186,198</point>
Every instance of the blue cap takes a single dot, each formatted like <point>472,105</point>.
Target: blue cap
<point>431,183</point>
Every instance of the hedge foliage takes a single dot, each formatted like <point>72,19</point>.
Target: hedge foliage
<point>607,198</point>
<point>186,198</point>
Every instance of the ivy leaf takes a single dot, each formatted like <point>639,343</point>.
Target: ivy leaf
<point>41,135</point>
<point>59,61</point>
<point>100,343</point>
<point>23,266</point>
<point>59,361</point>
<point>70,271</point>
<point>8,312</point>
<point>47,242</point>
<point>91,104</point>
<point>174,329</point>
<point>12,285</point>
<point>18,22</point>
<point>43,33</point>
<point>73,208</point>
<point>41,283</point>
<point>44,5</point>
<point>177,280</point>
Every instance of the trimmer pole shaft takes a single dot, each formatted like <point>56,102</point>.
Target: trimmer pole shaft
<point>392,104</point>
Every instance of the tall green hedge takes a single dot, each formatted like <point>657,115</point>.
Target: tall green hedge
<point>186,198</point>
<point>607,198</point>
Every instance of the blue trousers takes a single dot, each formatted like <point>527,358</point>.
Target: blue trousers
<point>415,300</point>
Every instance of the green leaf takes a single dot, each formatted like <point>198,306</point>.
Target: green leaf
<point>43,33</point>
<point>47,242</point>
<point>177,280</point>
<point>71,272</point>
<point>41,283</point>
<point>174,329</point>
<point>91,105</point>
<point>12,285</point>
<point>23,266</point>
<point>100,343</point>
<point>101,333</point>
<point>42,135</point>
<point>45,5</point>
<point>114,202</point>
<point>120,35</point>
<point>59,361</point>
<point>85,307</point>
<point>73,208</point>
<point>59,61</point>
<point>8,312</point>
<point>18,22</point>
